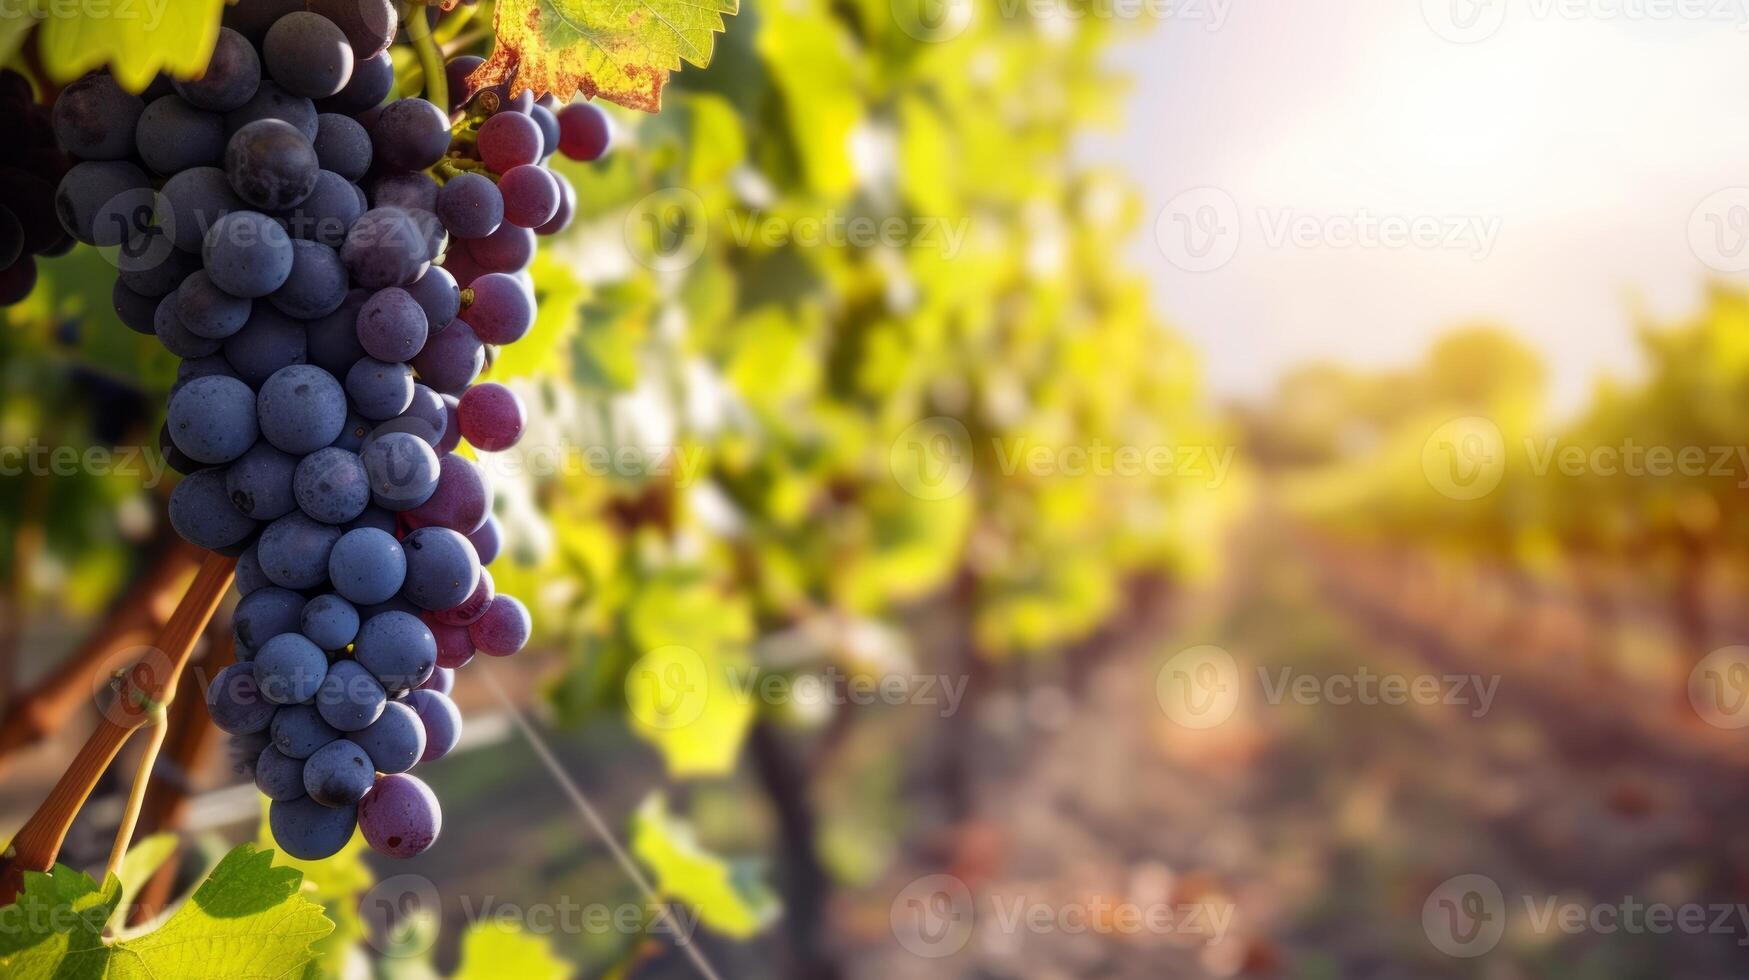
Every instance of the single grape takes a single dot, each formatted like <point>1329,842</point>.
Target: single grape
<point>442,722</point>
<point>173,136</point>
<point>531,196</point>
<point>331,486</point>
<point>176,338</point>
<point>330,210</point>
<point>271,165</point>
<point>461,502</point>
<point>438,295</point>
<point>202,514</point>
<point>380,389</point>
<point>487,540</point>
<point>279,776</point>
<point>403,470</point>
<point>212,419</point>
<point>508,140</point>
<point>94,118</point>
<point>342,145</point>
<point>250,578</point>
<point>272,102</point>
<point>235,701</point>
<point>298,730</point>
<point>369,24</point>
<point>584,131</point>
<point>471,608</point>
<point>333,339</point>
<point>407,191</point>
<point>97,201</point>
<point>338,774</point>
<point>372,80</point>
<point>454,647</point>
<point>289,669</point>
<point>367,566</point>
<point>561,218</point>
<point>191,202</point>
<point>509,249</point>
<point>264,614</point>
<point>231,77</point>
<point>442,680</point>
<point>329,622</point>
<point>308,55</point>
<point>502,311</point>
<point>504,629</point>
<point>392,325</point>
<point>136,312</point>
<point>350,699</point>
<point>410,134</point>
<point>398,649</point>
<point>247,253</point>
<point>549,129</point>
<point>301,408</point>
<point>309,831</point>
<point>294,551</point>
<point>492,417</point>
<point>452,431</point>
<point>317,284</point>
<point>385,247</point>
<point>470,206</point>
<point>396,740</point>
<point>259,483</point>
<point>400,817</point>
<point>452,359</point>
<point>208,311</point>
<point>147,269</point>
<point>442,569</point>
<point>267,344</point>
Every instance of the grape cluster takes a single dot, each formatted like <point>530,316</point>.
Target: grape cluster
<point>31,164</point>
<point>334,269</point>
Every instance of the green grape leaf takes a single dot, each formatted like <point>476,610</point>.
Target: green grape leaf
<point>136,39</point>
<point>492,949</point>
<point>621,51</point>
<point>245,921</point>
<point>726,896</point>
<point>336,882</point>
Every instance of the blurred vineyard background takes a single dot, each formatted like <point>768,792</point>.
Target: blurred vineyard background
<point>772,471</point>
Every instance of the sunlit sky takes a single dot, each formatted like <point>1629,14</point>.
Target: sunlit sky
<point>1587,142</point>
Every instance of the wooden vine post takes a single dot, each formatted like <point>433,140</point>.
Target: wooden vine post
<point>144,692</point>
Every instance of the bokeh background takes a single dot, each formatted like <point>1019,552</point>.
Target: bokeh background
<point>1053,488</point>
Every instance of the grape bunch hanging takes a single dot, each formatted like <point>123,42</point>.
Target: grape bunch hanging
<point>334,268</point>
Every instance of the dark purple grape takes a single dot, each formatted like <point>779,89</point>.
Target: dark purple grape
<point>342,145</point>
<point>504,629</point>
<point>502,311</point>
<point>369,25</point>
<point>451,360</point>
<point>442,722</point>
<point>232,75</point>
<point>367,566</point>
<point>271,165</point>
<point>470,206</point>
<point>531,196</point>
<point>461,501</point>
<point>309,831</point>
<point>392,326</point>
<point>94,119</point>
<point>400,817</point>
<point>410,134</point>
<point>492,417</point>
<point>308,54</point>
<point>509,140</point>
<point>396,740</point>
<point>584,131</point>
<point>235,702</point>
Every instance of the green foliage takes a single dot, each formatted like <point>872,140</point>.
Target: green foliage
<point>245,920</point>
<point>729,898</point>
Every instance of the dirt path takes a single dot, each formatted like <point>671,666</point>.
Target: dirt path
<point>1309,835</point>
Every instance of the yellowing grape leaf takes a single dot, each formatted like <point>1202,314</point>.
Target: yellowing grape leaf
<point>135,38</point>
<point>246,920</point>
<point>725,895</point>
<point>494,949</point>
<point>618,50</point>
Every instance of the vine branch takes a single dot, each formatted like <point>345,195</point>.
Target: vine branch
<point>148,686</point>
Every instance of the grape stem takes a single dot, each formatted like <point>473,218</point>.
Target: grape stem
<point>124,834</point>
<point>430,55</point>
<point>145,689</point>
